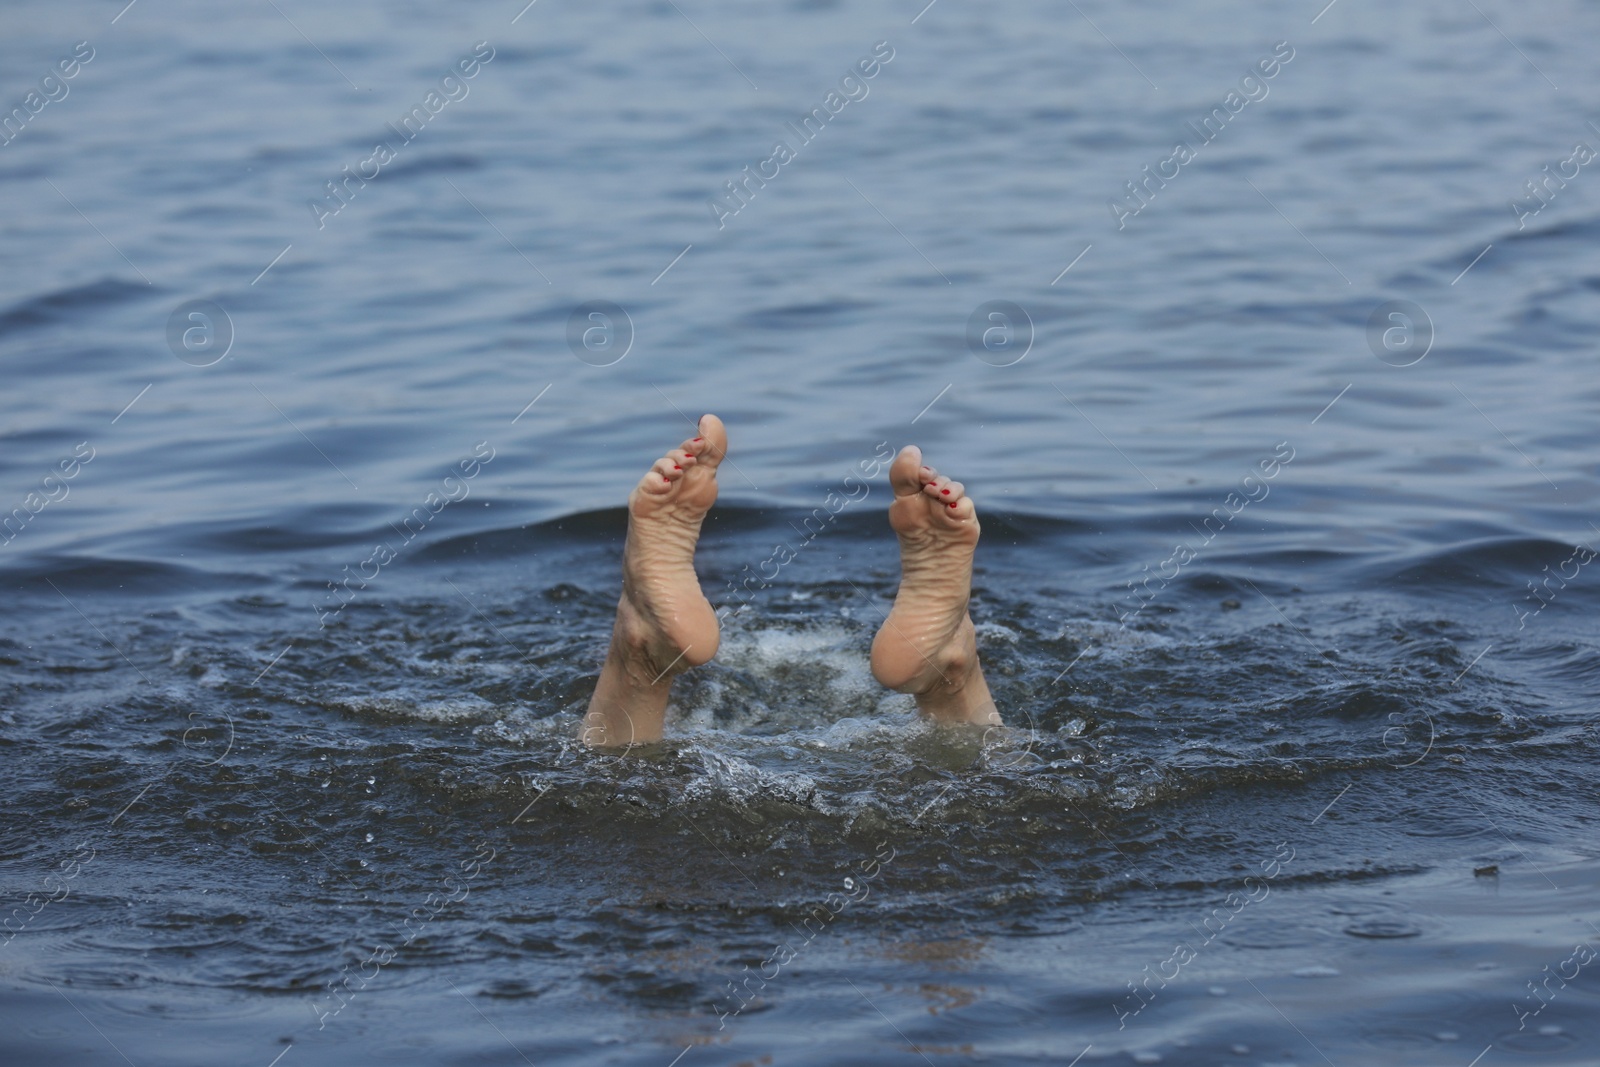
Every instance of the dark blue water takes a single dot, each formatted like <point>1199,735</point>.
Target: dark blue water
<point>1288,603</point>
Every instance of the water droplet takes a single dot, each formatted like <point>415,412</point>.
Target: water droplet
<point>369,839</point>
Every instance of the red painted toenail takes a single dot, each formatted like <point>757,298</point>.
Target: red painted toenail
<point>944,492</point>
<point>932,484</point>
<point>676,467</point>
<point>952,503</point>
<point>697,440</point>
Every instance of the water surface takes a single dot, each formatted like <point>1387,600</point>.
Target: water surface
<point>1299,768</point>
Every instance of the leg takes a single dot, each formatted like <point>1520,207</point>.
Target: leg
<point>927,646</point>
<point>664,623</point>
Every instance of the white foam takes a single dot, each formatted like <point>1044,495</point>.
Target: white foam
<point>1103,634</point>
<point>993,631</point>
<point>768,651</point>
<point>728,777</point>
<point>453,709</point>
<point>523,726</point>
<point>804,679</point>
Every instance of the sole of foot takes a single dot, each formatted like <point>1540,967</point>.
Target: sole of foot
<point>665,624</point>
<point>927,645</point>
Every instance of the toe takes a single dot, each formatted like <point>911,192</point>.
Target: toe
<point>960,511</point>
<point>906,474</point>
<point>668,470</point>
<point>936,486</point>
<point>712,444</point>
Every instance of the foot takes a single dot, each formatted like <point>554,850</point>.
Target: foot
<point>664,623</point>
<point>927,645</point>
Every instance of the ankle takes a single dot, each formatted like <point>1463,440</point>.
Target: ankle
<point>960,699</point>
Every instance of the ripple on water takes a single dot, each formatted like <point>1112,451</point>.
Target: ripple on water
<point>1550,1038</point>
<point>1384,929</point>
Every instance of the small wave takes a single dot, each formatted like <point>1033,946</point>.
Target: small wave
<point>397,708</point>
<point>63,305</point>
<point>1509,561</point>
<point>805,316</point>
<point>122,576</point>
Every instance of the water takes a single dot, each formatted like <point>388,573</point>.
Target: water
<point>1317,788</point>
